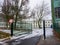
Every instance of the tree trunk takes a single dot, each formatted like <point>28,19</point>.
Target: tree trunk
<point>39,23</point>
<point>7,19</point>
<point>15,21</point>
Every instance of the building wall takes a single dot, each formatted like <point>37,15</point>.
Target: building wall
<point>48,23</point>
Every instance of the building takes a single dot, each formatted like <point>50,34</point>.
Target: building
<point>34,23</point>
<point>48,23</point>
<point>56,17</point>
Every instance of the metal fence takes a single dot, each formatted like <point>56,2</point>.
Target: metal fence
<point>2,25</point>
<point>22,28</point>
<point>56,25</point>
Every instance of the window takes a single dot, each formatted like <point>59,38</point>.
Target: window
<point>45,21</point>
<point>46,25</point>
<point>48,22</point>
<point>57,12</point>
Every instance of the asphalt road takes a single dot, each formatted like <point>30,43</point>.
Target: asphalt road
<point>29,41</point>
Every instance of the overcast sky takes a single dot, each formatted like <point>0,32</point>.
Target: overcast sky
<point>34,3</point>
<point>1,1</point>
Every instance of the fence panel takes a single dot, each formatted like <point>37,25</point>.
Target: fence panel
<point>22,28</point>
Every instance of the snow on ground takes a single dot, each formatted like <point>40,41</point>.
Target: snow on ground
<point>15,32</point>
<point>39,32</point>
<point>7,31</point>
<point>49,31</point>
<point>35,32</point>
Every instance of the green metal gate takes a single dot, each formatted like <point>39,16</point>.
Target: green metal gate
<point>22,28</point>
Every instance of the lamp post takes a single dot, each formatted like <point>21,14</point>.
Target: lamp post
<point>11,22</point>
<point>44,32</point>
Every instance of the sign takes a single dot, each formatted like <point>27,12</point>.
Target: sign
<point>11,21</point>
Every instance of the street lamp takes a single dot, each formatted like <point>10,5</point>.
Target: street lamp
<point>11,22</point>
<point>44,32</point>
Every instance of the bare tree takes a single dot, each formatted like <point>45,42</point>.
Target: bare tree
<point>40,12</point>
<point>6,9</point>
<point>11,9</point>
<point>21,11</point>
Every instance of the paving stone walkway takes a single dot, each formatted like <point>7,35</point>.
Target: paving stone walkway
<point>51,40</point>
